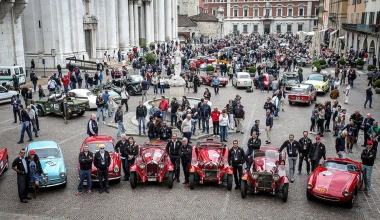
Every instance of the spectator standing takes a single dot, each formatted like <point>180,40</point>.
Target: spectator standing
<point>305,146</point>
<point>185,154</point>
<point>236,159</point>
<point>141,113</point>
<point>119,120</point>
<point>292,147</point>
<point>173,112</point>
<point>124,98</point>
<point>223,124</point>
<point>92,126</point>
<point>368,157</point>
<point>102,161</point>
<point>340,144</point>
<point>25,122</point>
<point>144,86</point>
<point>368,97</point>
<point>269,125</point>
<point>186,128</point>
<point>239,116</point>
<point>164,107</point>
<point>230,111</point>
<point>317,151</point>
<point>215,121</point>
<point>367,124</point>
<point>15,102</point>
<point>20,166</point>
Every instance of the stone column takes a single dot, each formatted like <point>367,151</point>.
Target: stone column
<point>168,19</point>
<point>161,21</point>
<point>111,25</point>
<point>175,16</point>
<point>149,32</point>
<point>131,25</point>
<point>136,25</point>
<point>155,19</point>
<point>123,24</point>
<point>229,9</point>
<point>142,20</point>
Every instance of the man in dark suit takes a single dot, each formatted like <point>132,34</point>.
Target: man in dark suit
<point>102,161</point>
<point>21,167</point>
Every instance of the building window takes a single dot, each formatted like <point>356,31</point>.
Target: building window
<point>300,12</point>
<point>213,12</point>
<point>289,28</point>
<point>235,12</point>
<point>300,26</point>
<point>364,19</point>
<point>371,17</point>
<point>245,28</point>
<point>206,10</point>
<point>279,12</point>
<point>316,11</point>
<point>255,27</point>
<point>290,12</point>
<point>267,12</point>
<point>357,18</point>
<point>256,12</point>
<point>235,28</point>
<point>315,22</point>
<point>245,12</point>
<point>279,28</point>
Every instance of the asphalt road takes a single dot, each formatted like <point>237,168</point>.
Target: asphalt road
<point>156,201</point>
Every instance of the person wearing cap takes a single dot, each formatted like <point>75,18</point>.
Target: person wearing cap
<point>292,147</point>
<point>340,144</point>
<point>102,161</point>
<point>32,116</point>
<point>367,124</point>
<point>316,153</point>
<point>35,170</point>
<point>368,157</point>
<point>20,166</point>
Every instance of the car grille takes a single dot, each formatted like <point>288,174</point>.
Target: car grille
<point>327,197</point>
<point>151,170</point>
<point>211,174</point>
<point>265,180</point>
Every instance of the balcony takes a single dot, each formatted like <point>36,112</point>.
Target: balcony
<point>363,28</point>
<point>267,18</point>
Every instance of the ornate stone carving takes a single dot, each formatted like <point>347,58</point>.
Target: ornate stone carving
<point>5,8</point>
<point>90,22</point>
<point>18,8</point>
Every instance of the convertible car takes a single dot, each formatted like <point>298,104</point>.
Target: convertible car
<point>152,165</point>
<point>114,171</point>
<point>336,180</point>
<point>304,93</point>
<point>319,81</point>
<point>210,164</point>
<point>4,162</point>
<point>52,162</point>
<point>267,173</point>
<point>208,79</point>
<point>85,93</point>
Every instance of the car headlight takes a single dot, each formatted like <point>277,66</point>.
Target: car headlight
<point>161,165</point>
<point>45,178</point>
<point>62,175</point>
<point>142,165</point>
<point>276,177</point>
<point>255,176</point>
<point>346,193</point>
<point>116,169</point>
<point>309,186</point>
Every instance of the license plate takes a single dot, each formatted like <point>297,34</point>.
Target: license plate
<point>245,82</point>
<point>152,179</point>
<point>298,98</point>
<point>321,190</point>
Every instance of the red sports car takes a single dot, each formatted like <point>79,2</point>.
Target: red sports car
<point>208,79</point>
<point>210,164</point>
<point>114,171</point>
<point>336,180</point>
<point>152,165</point>
<point>267,173</point>
<point>303,93</point>
<point>4,162</point>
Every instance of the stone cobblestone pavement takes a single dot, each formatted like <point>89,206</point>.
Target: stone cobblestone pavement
<point>155,200</point>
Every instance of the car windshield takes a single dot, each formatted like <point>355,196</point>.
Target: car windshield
<point>89,93</point>
<point>244,76</point>
<point>315,77</point>
<point>94,147</point>
<point>298,90</point>
<point>292,79</point>
<point>341,166</point>
<point>50,153</point>
<point>271,154</point>
<point>135,78</point>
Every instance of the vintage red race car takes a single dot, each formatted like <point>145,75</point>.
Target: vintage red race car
<point>266,82</point>
<point>209,163</point>
<point>267,173</point>
<point>4,161</point>
<point>152,165</point>
<point>336,180</point>
<point>114,170</point>
<point>208,79</point>
<point>303,93</point>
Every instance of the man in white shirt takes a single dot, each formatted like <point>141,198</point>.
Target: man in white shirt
<point>32,116</point>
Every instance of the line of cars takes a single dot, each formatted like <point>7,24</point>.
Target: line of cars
<point>336,180</point>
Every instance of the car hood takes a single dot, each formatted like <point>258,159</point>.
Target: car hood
<point>208,155</point>
<point>314,82</point>
<point>53,166</point>
<point>332,180</point>
<point>78,101</point>
<point>265,164</point>
<point>152,154</point>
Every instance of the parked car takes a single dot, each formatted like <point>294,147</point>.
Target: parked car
<point>4,160</point>
<point>208,79</point>
<point>242,80</point>
<point>152,165</point>
<point>267,174</point>
<point>303,93</point>
<point>290,80</point>
<point>6,95</point>
<point>52,104</point>
<point>132,84</point>
<point>210,164</point>
<point>87,94</point>
<point>336,180</point>
<point>319,81</point>
<point>52,162</point>
<point>93,143</point>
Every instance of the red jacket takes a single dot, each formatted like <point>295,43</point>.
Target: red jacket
<point>164,105</point>
<point>215,116</point>
<point>65,81</point>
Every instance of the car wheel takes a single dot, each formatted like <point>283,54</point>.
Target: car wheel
<point>243,189</point>
<point>192,180</point>
<point>229,182</point>
<point>133,180</point>
<point>285,191</point>
<point>350,203</point>
<point>131,91</point>
<point>169,181</point>
<point>6,164</point>
<point>81,113</point>
<point>308,195</point>
<point>224,85</point>
<point>40,111</point>
<point>309,103</point>
<point>290,103</point>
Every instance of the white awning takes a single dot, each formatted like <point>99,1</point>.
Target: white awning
<point>333,32</point>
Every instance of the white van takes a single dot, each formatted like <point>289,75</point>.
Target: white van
<point>7,72</point>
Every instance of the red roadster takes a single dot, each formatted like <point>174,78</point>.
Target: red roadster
<point>208,79</point>
<point>267,174</point>
<point>114,171</point>
<point>152,165</point>
<point>303,93</point>
<point>209,163</point>
<point>336,180</point>
<point>4,162</point>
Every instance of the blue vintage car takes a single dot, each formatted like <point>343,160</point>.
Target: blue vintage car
<point>52,163</point>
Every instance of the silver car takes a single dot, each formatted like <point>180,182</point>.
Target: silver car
<point>6,95</point>
<point>242,80</point>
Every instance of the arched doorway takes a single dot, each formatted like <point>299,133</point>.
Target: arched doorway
<point>371,51</point>
<point>365,44</point>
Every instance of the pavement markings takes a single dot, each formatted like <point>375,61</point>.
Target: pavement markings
<point>6,121</point>
<point>72,137</point>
